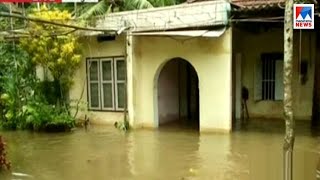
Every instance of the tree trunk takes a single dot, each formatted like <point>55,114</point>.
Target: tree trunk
<point>287,80</point>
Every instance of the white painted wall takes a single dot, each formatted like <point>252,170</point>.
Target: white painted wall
<point>211,58</point>
<point>91,48</point>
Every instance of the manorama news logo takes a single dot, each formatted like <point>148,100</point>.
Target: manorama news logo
<point>303,16</point>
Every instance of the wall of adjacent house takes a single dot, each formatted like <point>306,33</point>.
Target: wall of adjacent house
<point>251,46</point>
<point>211,58</point>
<point>93,48</point>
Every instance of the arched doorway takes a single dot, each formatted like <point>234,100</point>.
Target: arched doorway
<point>178,95</point>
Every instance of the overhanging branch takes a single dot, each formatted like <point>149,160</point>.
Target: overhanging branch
<point>39,20</point>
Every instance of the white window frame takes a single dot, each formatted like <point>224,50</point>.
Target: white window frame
<point>114,83</point>
<point>95,81</point>
<point>102,82</point>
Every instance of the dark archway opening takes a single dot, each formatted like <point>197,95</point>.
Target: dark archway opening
<point>178,95</point>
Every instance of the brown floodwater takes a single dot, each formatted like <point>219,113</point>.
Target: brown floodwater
<point>253,152</point>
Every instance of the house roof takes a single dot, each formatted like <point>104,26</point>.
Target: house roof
<point>195,15</point>
<point>255,2</point>
<point>256,5</point>
<point>250,5</point>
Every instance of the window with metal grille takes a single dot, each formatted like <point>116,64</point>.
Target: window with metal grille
<point>106,83</point>
<point>269,77</point>
<point>272,76</point>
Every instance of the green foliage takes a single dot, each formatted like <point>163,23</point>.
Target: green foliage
<point>5,22</point>
<point>22,101</point>
<point>54,48</point>
<point>123,126</point>
<point>103,7</point>
<point>50,93</point>
<point>44,117</point>
<point>27,103</point>
<point>86,11</point>
<point>17,80</point>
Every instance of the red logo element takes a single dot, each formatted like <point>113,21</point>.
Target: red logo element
<point>298,11</point>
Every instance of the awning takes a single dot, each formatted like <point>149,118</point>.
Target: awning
<point>190,33</point>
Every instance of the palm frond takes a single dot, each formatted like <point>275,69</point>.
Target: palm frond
<point>88,10</point>
<point>137,4</point>
<point>161,3</point>
<point>6,7</point>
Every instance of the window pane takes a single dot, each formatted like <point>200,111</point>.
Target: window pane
<point>121,70</point>
<point>93,68</point>
<point>94,95</point>
<point>106,70</point>
<point>268,79</point>
<point>121,95</point>
<point>107,95</point>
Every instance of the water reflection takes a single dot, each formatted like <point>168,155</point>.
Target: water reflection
<point>159,154</point>
<point>170,153</point>
<point>318,170</point>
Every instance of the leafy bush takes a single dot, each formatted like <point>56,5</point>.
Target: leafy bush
<point>54,48</point>
<point>36,115</point>
<point>17,82</point>
<point>45,117</point>
<point>23,100</point>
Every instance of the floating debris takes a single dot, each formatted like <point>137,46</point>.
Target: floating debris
<point>21,175</point>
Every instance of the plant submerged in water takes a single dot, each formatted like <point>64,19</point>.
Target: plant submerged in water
<point>124,126</point>
<point>4,164</point>
<point>24,102</point>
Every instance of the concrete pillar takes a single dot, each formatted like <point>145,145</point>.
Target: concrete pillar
<point>130,75</point>
<point>215,85</point>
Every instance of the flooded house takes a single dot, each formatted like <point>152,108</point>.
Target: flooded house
<point>258,43</point>
<point>188,64</point>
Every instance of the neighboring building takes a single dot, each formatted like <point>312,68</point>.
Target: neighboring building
<point>187,63</point>
<point>258,60</point>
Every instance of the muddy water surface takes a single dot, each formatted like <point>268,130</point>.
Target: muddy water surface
<point>171,153</point>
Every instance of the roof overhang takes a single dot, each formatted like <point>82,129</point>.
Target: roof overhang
<point>187,33</point>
